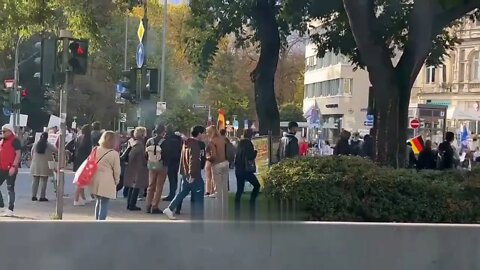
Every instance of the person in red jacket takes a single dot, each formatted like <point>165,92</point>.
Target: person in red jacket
<point>304,147</point>
<point>10,153</point>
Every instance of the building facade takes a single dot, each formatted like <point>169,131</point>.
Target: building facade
<point>339,92</point>
<point>456,83</point>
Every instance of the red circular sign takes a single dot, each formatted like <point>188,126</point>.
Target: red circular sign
<point>414,123</point>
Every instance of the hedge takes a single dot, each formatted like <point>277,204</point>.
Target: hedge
<point>355,189</point>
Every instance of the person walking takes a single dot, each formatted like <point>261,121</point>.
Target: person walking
<point>303,150</point>
<point>191,172</point>
<point>83,149</point>
<point>427,159</point>
<point>10,153</point>
<point>42,154</point>
<point>157,169</point>
<point>245,169</point>
<point>172,146</point>
<point>288,147</point>
<point>105,180</point>
<point>216,154</point>
<point>96,132</point>
<point>366,148</point>
<point>136,172</point>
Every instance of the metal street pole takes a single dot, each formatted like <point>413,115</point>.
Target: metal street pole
<point>125,64</point>
<point>65,35</point>
<point>16,79</point>
<point>164,49</point>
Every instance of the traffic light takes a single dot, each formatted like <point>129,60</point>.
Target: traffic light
<point>152,80</point>
<point>78,56</point>
<point>47,61</point>
<point>129,83</point>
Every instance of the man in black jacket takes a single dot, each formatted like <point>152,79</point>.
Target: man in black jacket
<point>173,146</point>
<point>288,147</point>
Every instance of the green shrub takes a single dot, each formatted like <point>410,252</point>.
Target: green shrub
<point>355,189</point>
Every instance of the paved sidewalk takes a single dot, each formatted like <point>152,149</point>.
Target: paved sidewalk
<point>25,209</point>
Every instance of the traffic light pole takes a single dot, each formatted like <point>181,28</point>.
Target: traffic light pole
<point>65,35</point>
<point>16,92</point>
<point>164,49</point>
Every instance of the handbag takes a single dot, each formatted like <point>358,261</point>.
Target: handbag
<point>90,167</point>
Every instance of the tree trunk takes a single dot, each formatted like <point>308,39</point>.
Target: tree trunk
<point>263,76</point>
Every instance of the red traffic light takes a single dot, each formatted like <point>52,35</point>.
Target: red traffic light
<point>23,93</point>
<point>80,51</point>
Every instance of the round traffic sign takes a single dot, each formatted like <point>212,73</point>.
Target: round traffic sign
<point>414,123</point>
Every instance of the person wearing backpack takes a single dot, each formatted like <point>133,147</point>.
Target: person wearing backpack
<point>157,170</point>
<point>229,148</point>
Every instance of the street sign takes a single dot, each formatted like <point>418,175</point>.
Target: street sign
<point>123,117</point>
<point>370,117</point>
<point>414,123</point>
<point>119,99</point>
<point>7,112</point>
<point>161,107</point>
<point>120,89</point>
<point>140,55</point>
<point>140,31</point>
<point>368,123</point>
<point>9,83</point>
<point>235,124</point>
<point>200,106</point>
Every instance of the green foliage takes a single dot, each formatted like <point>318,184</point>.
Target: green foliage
<point>355,189</point>
<point>181,117</point>
<point>291,112</point>
<point>394,18</point>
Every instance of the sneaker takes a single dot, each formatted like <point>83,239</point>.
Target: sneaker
<point>213,195</point>
<point>169,213</point>
<point>43,200</point>
<point>79,203</point>
<point>8,213</point>
<point>134,208</point>
<point>149,209</point>
<point>2,210</point>
<point>34,199</point>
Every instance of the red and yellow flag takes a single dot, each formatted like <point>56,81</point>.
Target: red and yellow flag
<point>221,119</point>
<point>417,144</point>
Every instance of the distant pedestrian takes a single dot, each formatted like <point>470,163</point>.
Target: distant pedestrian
<point>288,147</point>
<point>191,172</point>
<point>83,149</point>
<point>136,173</point>
<point>303,147</point>
<point>173,146</point>
<point>10,153</point>
<point>446,153</point>
<point>105,180</point>
<point>157,169</point>
<point>42,154</point>
<point>342,148</point>
<point>366,148</point>
<point>245,169</point>
<point>217,155</point>
<point>355,144</point>
<point>427,159</point>
<point>96,133</point>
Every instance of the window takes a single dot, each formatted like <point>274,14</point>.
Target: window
<point>347,86</point>
<point>444,73</point>
<point>430,75</point>
<point>329,88</point>
<point>475,68</point>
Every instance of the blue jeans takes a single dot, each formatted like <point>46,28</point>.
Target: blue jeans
<point>101,208</point>
<point>197,190</point>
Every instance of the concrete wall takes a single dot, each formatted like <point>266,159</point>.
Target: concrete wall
<point>264,246</point>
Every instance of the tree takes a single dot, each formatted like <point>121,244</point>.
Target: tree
<point>291,112</point>
<point>264,24</point>
<point>392,40</point>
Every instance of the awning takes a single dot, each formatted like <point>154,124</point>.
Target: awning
<point>467,115</point>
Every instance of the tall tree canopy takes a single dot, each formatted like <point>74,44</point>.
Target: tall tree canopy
<point>391,39</point>
<point>264,24</point>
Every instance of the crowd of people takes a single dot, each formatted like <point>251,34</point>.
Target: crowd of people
<point>138,167</point>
